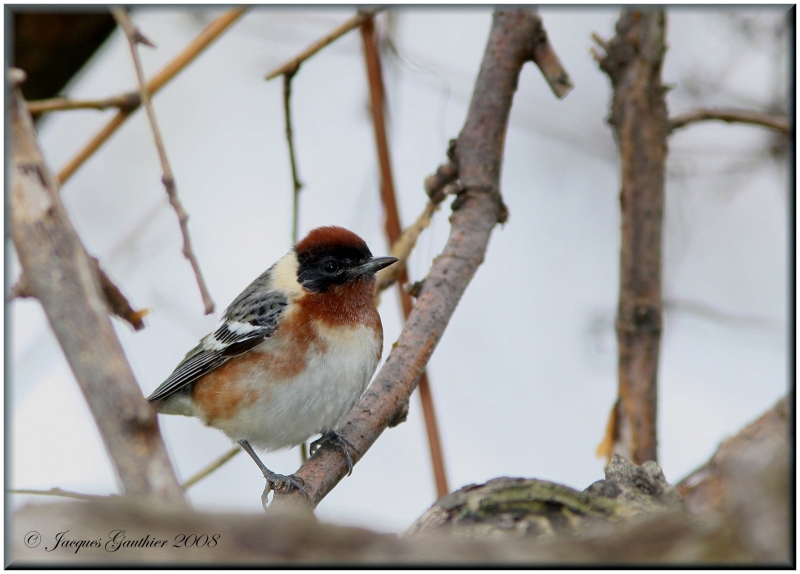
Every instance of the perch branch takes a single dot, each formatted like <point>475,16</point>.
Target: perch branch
<point>60,274</point>
<point>292,65</point>
<point>123,102</point>
<point>477,210</point>
<point>393,233</point>
<point>178,63</point>
<point>633,62</point>
<point>731,115</point>
<point>135,37</point>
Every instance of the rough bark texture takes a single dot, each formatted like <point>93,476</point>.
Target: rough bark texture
<point>704,490</point>
<point>60,274</point>
<point>475,213</point>
<point>639,118</point>
<point>516,507</point>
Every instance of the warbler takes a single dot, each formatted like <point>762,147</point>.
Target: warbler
<point>292,354</point>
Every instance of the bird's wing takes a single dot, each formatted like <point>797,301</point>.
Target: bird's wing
<point>253,317</point>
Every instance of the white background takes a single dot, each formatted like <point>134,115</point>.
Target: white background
<point>525,374</point>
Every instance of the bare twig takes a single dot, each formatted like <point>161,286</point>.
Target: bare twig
<point>545,57</point>
<point>135,37</point>
<point>210,468</point>
<point>60,492</point>
<point>480,149</point>
<point>393,233</point>
<point>731,115</point>
<point>117,302</point>
<point>192,50</point>
<point>296,183</point>
<point>127,101</point>
<point>402,249</point>
<point>293,64</point>
<point>60,274</point>
<point>639,117</point>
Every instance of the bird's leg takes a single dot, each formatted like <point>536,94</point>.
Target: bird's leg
<point>275,481</point>
<point>337,440</point>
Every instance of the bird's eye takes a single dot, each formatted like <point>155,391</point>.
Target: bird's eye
<point>330,266</point>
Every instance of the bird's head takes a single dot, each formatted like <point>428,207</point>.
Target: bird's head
<point>330,256</point>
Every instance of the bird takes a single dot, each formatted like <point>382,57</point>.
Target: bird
<point>291,355</point>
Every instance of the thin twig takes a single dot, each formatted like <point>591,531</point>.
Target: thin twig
<point>135,37</point>
<point>480,151</point>
<point>127,101</point>
<point>211,468</point>
<point>296,183</point>
<point>61,492</point>
<point>176,65</point>
<point>393,233</point>
<point>731,115</point>
<point>117,303</point>
<point>293,64</point>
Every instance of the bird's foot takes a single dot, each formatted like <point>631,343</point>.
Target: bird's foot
<point>335,439</point>
<point>281,483</point>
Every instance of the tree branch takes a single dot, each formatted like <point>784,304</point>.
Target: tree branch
<point>292,65</point>
<point>731,115</point>
<point>393,233</point>
<point>135,37</point>
<point>59,273</point>
<point>117,302</point>
<point>59,492</point>
<point>178,63</point>
<point>129,101</point>
<point>477,210</point>
<point>200,475</point>
<point>639,118</point>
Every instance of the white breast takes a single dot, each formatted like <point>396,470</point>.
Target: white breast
<point>315,401</point>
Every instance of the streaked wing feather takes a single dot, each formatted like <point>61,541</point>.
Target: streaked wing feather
<point>252,317</point>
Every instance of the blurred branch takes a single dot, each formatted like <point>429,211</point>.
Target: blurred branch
<point>178,63</point>
<point>135,37</point>
<point>633,62</point>
<point>60,274</point>
<point>129,101</point>
<point>292,65</point>
<point>211,467</point>
<point>393,233</point>
<point>475,213</point>
<point>731,115</point>
<point>59,492</point>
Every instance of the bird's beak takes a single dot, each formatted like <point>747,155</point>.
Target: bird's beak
<point>374,265</point>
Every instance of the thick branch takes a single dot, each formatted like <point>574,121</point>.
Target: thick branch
<point>639,118</point>
<point>731,115</point>
<point>480,150</point>
<point>60,274</point>
<point>135,37</point>
<point>178,63</point>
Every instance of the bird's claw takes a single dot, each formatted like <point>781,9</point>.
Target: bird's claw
<point>335,439</point>
<point>282,483</point>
